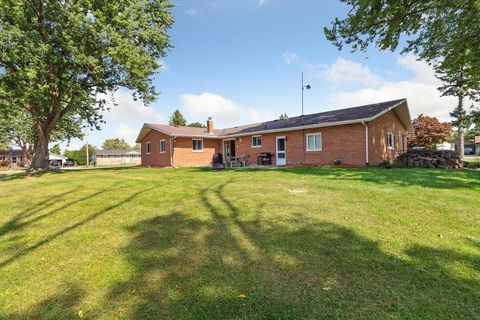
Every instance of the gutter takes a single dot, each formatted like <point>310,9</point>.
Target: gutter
<point>171,151</point>
<point>366,141</point>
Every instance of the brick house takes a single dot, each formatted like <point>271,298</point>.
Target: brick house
<point>356,136</point>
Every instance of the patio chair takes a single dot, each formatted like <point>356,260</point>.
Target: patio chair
<point>244,160</point>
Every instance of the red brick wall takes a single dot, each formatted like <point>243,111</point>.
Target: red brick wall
<point>184,156</point>
<point>346,143</point>
<point>155,158</point>
<point>377,131</point>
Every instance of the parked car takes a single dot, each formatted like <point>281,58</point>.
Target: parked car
<point>469,151</point>
<point>68,163</point>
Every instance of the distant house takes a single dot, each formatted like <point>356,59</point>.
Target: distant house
<point>56,160</point>
<point>356,136</point>
<point>13,156</point>
<point>116,157</point>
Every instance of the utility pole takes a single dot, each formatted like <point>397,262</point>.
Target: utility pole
<point>86,148</point>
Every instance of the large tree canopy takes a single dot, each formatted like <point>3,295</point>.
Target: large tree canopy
<point>431,28</point>
<point>58,58</point>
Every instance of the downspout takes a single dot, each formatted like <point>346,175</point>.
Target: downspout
<point>303,146</point>
<point>171,151</point>
<point>366,142</point>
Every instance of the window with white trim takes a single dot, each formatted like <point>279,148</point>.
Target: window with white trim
<point>197,145</point>
<point>314,142</point>
<point>256,141</point>
<point>149,147</point>
<point>162,146</point>
<point>390,140</point>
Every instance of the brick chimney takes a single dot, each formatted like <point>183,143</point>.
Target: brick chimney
<point>210,125</point>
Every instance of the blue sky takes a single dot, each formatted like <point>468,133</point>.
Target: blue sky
<point>241,62</point>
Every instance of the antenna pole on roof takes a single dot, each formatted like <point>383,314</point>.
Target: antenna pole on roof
<point>306,86</point>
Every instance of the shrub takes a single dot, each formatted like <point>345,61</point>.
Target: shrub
<point>4,163</point>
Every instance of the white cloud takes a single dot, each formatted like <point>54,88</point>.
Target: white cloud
<point>347,71</point>
<point>289,57</point>
<point>163,66</point>
<point>261,2</point>
<point>128,109</point>
<point>420,91</point>
<point>192,12</point>
<point>126,132</point>
<point>224,111</point>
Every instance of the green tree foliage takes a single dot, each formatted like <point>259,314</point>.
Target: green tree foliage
<point>116,144</point>
<point>79,157</point>
<point>283,116</point>
<point>443,33</point>
<point>59,59</point>
<point>56,149</point>
<point>197,125</point>
<point>457,82</point>
<point>177,119</point>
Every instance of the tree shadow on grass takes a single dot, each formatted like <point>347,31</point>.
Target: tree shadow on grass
<point>63,305</point>
<point>428,178</point>
<point>46,240</point>
<point>189,267</point>
<point>23,175</point>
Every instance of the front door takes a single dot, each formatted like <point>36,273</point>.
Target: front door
<point>281,156</point>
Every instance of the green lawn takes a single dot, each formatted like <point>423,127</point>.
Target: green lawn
<point>241,244</point>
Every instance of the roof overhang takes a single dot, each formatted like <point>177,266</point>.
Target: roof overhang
<point>403,113</point>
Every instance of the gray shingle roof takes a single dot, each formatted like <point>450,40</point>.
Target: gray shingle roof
<point>341,115</point>
<point>11,152</point>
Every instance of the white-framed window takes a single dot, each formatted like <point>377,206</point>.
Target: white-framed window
<point>149,147</point>
<point>390,140</point>
<point>197,145</point>
<point>162,146</point>
<point>256,141</point>
<point>14,159</point>
<point>314,141</point>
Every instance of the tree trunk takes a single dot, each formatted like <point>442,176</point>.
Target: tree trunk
<point>40,153</point>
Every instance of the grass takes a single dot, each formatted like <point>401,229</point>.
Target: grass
<point>298,243</point>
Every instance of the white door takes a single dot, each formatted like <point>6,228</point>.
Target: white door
<point>281,157</point>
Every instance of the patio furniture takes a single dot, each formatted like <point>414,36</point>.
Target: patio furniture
<point>244,160</point>
<point>264,158</point>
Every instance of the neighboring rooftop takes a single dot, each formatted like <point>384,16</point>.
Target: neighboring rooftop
<point>11,152</point>
<point>116,152</point>
<point>329,118</point>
